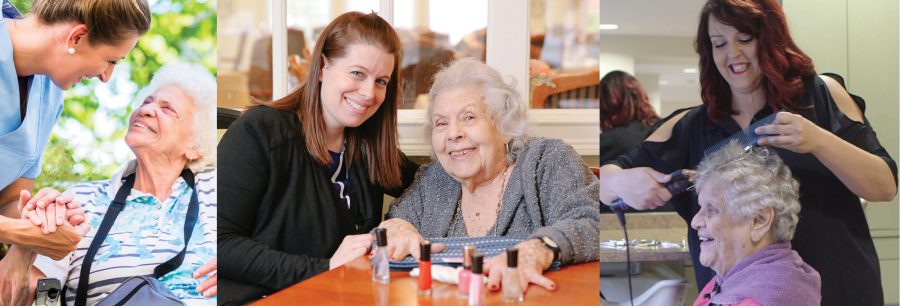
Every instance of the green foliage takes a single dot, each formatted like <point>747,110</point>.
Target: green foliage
<point>24,6</point>
<point>181,31</point>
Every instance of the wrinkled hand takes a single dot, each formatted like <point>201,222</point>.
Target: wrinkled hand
<point>352,247</point>
<point>791,132</point>
<point>642,188</point>
<point>50,209</point>
<point>534,258</point>
<point>15,278</point>
<point>404,239</point>
<point>209,287</point>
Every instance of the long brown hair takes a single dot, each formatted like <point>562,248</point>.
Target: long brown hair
<point>782,62</point>
<point>623,100</point>
<point>375,140</point>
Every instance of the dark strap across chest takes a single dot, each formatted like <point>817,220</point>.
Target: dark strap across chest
<point>118,204</point>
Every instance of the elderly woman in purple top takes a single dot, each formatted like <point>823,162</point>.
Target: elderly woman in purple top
<point>749,206</point>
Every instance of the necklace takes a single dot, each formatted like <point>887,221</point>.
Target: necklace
<point>476,220</point>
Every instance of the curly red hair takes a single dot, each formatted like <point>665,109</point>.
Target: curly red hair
<point>782,63</point>
<point>623,100</point>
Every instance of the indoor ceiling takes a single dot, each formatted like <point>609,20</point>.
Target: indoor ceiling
<point>660,36</point>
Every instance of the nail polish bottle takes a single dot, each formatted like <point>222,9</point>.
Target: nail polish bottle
<point>466,271</point>
<point>476,283</point>
<point>512,289</point>
<point>381,270</point>
<point>425,268</point>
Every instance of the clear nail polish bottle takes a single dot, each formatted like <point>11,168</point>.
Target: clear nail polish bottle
<point>381,271</point>
<point>512,289</point>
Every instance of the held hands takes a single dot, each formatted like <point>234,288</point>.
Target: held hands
<point>49,209</point>
<point>641,188</point>
<point>403,239</point>
<point>792,132</point>
<point>534,258</point>
<point>209,287</point>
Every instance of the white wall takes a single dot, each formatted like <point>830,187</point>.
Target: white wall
<point>860,40</point>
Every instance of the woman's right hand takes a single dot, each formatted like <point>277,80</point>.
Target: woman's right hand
<point>55,245</point>
<point>352,247</point>
<point>641,188</point>
<point>403,238</point>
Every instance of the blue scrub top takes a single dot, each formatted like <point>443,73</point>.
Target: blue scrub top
<point>22,142</point>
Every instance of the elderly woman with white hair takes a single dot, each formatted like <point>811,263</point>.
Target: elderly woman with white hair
<point>749,207</point>
<point>155,203</point>
<point>490,179</point>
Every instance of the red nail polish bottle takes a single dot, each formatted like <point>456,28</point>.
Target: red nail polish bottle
<point>425,268</point>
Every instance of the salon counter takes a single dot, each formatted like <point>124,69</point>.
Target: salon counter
<point>659,237</point>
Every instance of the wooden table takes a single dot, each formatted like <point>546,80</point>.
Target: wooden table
<point>352,284</point>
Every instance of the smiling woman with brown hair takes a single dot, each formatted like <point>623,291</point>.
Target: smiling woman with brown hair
<point>303,178</point>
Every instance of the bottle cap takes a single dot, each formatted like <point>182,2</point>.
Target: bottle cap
<point>425,251</point>
<point>468,251</point>
<point>477,263</point>
<point>381,236</point>
<point>512,257</point>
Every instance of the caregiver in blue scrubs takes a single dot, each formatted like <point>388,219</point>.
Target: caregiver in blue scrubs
<point>41,54</point>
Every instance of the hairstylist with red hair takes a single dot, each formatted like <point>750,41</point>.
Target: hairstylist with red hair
<point>750,68</point>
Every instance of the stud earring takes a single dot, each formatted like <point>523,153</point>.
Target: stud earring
<point>71,51</point>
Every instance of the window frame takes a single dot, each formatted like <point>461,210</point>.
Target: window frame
<point>507,51</point>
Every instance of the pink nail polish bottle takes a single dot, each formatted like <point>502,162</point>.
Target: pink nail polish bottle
<point>476,284</point>
<point>464,274</point>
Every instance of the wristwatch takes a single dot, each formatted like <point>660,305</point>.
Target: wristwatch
<point>550,244</point>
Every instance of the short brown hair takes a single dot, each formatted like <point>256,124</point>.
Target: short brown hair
<point>376,138</point>
<point>108,21</point>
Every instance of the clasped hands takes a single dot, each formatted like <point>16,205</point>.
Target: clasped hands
<point>62,223</point>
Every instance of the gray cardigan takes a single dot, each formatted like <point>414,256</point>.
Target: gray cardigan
<point>550,193</point>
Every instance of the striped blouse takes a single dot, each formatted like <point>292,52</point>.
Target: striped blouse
<point>146,233</point>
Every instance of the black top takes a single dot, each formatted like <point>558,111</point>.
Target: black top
<point>621,139</point>
<point>832,235</point>
<point>280,219</point>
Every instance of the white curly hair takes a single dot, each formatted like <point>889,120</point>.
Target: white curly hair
<point>501,98</point>
<point>751,181</point>
<point>200,85</point>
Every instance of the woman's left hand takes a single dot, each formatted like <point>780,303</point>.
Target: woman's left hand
<point>792,132</point>
<point>209,287</point>
<point>534,258</point>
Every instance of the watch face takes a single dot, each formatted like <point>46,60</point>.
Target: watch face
<point>549,242</point>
